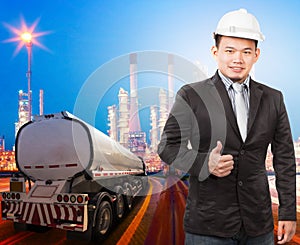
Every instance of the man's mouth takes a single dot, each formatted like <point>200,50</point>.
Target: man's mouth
<point>236,69</point>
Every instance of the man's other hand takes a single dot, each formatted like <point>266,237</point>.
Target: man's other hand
<point>286,231</point>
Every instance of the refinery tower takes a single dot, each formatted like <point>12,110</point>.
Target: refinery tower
<point>124,122</point>
<point>136,137</point>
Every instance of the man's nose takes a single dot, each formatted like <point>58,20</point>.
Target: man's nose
<point>238,57</point>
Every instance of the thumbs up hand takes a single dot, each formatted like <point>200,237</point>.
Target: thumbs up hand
<point>220,165</point>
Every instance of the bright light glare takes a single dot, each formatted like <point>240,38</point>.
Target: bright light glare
<point>26,36</point>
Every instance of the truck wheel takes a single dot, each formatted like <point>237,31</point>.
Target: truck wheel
<point>120,206</point>
<point>104,221</point>
<point>129,198</point>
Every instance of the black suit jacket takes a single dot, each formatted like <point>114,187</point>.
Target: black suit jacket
<point>203,114</point>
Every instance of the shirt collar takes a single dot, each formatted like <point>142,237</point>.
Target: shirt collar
<point>228,82</point>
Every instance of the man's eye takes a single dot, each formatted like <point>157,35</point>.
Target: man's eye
<point>229,51</point>
<point>247,52</point>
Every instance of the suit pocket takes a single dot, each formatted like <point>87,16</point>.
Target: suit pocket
<point>264,193</point>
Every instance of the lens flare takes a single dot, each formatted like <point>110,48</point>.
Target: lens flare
<point>25,35</point>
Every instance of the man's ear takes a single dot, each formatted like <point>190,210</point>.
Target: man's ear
<point>257,54</point>
<point>214,51</point>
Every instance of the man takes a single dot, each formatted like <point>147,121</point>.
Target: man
<point>219,131</point>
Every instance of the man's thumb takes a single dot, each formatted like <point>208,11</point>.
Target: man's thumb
<point>279,231</point>
<point>218,148</point>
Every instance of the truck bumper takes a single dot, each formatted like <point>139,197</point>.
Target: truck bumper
<point>62,216</point>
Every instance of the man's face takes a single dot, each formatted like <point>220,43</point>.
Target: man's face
<point>235,57</point>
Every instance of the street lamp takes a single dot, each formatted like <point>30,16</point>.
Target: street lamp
<point>27,38</point>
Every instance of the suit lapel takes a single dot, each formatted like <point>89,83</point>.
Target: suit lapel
<point>255,97</point>
<point>225,102</point>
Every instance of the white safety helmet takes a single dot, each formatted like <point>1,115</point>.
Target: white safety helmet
<point>239,23</point>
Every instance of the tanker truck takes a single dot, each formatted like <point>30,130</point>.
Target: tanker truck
<point>78,179</point>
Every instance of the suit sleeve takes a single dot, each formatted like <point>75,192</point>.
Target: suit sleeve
<point>173,147</point>
<point>284,165</point>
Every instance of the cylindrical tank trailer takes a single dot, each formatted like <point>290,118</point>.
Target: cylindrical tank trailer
<point>65,143</point>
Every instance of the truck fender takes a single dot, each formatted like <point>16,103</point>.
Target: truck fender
<point>98,199</point>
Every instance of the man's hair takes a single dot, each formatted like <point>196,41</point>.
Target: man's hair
<point>217,38</point>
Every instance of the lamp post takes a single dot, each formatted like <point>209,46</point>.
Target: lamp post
<point>27,38</point>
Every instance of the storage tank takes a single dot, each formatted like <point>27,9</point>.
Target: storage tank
<point>59,146</point>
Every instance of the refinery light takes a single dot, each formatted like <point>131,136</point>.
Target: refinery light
<point>26,37</point>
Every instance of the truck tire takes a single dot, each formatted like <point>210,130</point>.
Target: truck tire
<point>129,197</point>
<point>120,206</point>
<point>104,220</point>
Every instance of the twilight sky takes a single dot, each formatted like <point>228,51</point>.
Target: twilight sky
<point>85,35</point>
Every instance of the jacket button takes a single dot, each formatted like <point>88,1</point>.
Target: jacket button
<point>240,183</point>
<point>242,152</point>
